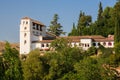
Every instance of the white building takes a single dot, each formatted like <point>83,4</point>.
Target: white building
<point>33,35</point>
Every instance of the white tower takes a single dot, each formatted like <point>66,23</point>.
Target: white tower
<point>30,31</point>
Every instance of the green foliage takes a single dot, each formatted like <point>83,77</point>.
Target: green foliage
<point>1,69</point>
<point>100,11</point>
<point>55,27</point>
<point>87,69</point>
<point>62,63</point>
<point>60,43</point>
<point>104,25</point>
<point>73,31</point>
<point>117,22</point>
<point>83,22</point>
<point>92,51</point>
<point>117,48</point>
<point>33,67</point>
<point>12,64</point>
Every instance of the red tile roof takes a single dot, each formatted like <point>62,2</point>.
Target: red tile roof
<point>35,21</point>
<point>77,39</point>
<point>43,41</point>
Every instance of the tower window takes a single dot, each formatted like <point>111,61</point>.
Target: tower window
<point>25,35</point>
<point>33,27</point>
<point>23,22</point>
<point>26,22</point>
<point>40,28</point>
<point>37,27</point>
<point>25,28</point>
<point>25,42</point>
<point>33,24</point>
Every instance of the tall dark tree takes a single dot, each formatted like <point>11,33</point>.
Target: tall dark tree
<point>100,11</point>
<point>74,31</point>
<point>79,27</point>
<point>83,22</point>
<point>117,22</point>
<point>55,27</point>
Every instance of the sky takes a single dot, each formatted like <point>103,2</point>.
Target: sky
<point>11,12</point>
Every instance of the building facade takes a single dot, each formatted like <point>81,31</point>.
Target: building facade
<point>33,35</point>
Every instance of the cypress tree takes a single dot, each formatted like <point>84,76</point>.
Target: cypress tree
<point>100,11</point>
<point>79,27</point>
<point>74,31</point>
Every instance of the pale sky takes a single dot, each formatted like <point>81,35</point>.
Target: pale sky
<point>11,11</point>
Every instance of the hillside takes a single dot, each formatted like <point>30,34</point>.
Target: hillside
<point>13,45</point>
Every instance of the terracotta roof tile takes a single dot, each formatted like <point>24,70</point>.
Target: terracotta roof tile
<point>43,41</point>
<point>35,21</point>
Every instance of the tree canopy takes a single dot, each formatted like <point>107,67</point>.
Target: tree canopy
<point>55,27</point>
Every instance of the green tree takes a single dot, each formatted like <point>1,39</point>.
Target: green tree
<point>55,27</point>
<point>87,69</point>
<point>62,63</point>
<point>2,70</point>
<point>83,22</point>
<point>60,43</point>
<point>12,64</point>
<point>73,31</point>
<point>33,67</point>
<point>117,48</point>
<point>100,11</point>
<point>92,51</point>
<point>117,22</point>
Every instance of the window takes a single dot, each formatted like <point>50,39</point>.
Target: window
<point>94,44</point>
<point>82,45</point>
<point>85,45</point>
<point>23,22</point>
<point>109,44</point>
<point>33,27</point>
<point>37,33</point>
<point>33,32</point>
<point>88,45</point>
<point>37,27</point>
<point>47,45</point>
<point>42,45</point>
<point>40,33</point>
<point>33,24</point>
<point>40,28</point>
<point>104,43</point>
<point>25,28</point>
<point>98,44</point>
<point>25,42</point>
<point>25,35</point>
<point>26,22</point>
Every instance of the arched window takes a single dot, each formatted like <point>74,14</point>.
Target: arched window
<point>94,44</point>
<point>98,44</point>
<point>26,22</point>
<point>25,35</point>
<point>47,45</point>
<point>25,28</point>
<point>25,42</point>
<point>42,45</point>
<point>109,43</point>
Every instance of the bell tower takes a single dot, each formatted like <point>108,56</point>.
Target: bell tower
<point>25,35</point>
